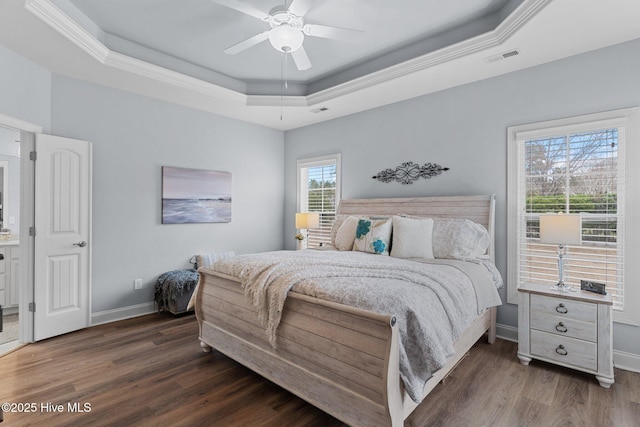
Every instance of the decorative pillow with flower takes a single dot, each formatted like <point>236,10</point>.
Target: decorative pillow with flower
<point>373,236</point>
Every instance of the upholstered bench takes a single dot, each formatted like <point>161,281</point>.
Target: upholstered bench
<point>174,288</point>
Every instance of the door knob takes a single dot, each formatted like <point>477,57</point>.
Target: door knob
<point>82,244</point>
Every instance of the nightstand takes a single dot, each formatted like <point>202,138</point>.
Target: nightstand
<point>571,329</point>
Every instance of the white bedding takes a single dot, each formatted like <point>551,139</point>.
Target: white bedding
<point>433,300</point>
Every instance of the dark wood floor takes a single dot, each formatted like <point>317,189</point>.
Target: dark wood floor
<point>150,371</point>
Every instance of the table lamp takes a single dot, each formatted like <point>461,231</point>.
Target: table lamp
<point>561,229</point>
<point>305,221</point>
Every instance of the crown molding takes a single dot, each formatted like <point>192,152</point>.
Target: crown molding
<point>277,100</point>
<point>49,13</point>
<point>173,78</point>
<point>59,21</point>
<point>19,125</point>
<point>515,21</point>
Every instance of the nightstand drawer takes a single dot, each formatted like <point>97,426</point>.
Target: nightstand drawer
<point>565,350</point>
<point>563,326</point>
<point>552,306</point>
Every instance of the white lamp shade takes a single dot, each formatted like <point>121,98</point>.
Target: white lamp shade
<point>307,220</point>
<point>285,38</point>
<point>561,229</point>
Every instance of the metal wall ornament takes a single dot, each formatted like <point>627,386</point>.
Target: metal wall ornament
<point>408,172</point>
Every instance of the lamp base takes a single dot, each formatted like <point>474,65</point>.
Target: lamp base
<point>561,287</point>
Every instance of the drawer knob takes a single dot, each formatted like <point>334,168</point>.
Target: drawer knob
<point>561,328</point>
<point>562,309</point>
<point>561,350</point>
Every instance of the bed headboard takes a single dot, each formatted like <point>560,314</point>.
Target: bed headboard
<point>480,209</point>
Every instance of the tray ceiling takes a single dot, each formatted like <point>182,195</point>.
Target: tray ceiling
<point>173,49</point>
<point>186,33</point>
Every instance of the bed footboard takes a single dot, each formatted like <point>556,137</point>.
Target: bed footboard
<point>341,359</point>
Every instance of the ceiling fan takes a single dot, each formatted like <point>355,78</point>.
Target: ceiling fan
<point>287,29</point>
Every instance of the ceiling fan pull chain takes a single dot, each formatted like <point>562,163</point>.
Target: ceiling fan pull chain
<point>286,82</point>
<point>282,61</point>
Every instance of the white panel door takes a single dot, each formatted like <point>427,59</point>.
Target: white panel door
<point>62,244</point>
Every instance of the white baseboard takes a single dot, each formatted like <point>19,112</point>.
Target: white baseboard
<point>507,332</point>
<point>128,312</point>
<point>621,360</point>
<point>626,361</point>
<point>10,347</point>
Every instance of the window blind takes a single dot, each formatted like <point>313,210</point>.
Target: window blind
<point>319,192</point>
<point>576,172</point>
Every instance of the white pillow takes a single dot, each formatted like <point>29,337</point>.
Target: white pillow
<point>346,234</point>
<point>336,226</point>
<point>206,260</point>
<point>412,238</point>
<point>373,236</point>
<point>459,239</point>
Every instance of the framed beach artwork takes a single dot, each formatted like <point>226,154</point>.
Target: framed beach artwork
<point>195,196</point>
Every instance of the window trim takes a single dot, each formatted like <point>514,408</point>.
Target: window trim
<point>628,120</point>
<point>319,161</point>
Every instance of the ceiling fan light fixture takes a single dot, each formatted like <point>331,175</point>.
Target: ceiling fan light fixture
<point>285,38</point>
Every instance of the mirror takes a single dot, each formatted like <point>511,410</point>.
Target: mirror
<point>9,184</point>
<point>4,184</point>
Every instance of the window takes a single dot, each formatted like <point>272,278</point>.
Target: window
<point>319,191</point>
<point>576,166</point>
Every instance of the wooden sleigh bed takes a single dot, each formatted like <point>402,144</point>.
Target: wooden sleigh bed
<point>320,342</point>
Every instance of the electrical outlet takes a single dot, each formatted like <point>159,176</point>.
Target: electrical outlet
<point>137,284</point>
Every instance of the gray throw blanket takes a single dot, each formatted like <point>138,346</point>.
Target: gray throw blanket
<point>433,302</point>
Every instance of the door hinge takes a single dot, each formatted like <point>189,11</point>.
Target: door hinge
<point>33,155</point>
<point>32,231</point>
<point>32,307</point>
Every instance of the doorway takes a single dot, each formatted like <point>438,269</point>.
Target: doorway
<point>10,238</point>
<point>24,207</point>
<point>66,165</point>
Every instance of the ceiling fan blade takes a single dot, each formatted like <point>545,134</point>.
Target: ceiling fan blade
<point>301,59</point>
<point>300,7</point>
<point>333,33</point>
<point>243,7</point>
<point>246,44</point>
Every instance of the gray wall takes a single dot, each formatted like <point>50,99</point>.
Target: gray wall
<point>465,128</point>
<point>25,94</point>
<point>25,89</point>
<point>133,137</point>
